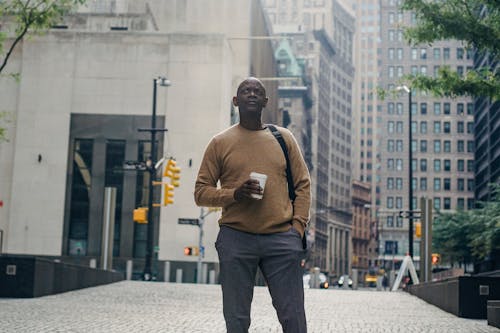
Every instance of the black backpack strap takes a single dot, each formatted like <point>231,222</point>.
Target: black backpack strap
<point>289,178</point>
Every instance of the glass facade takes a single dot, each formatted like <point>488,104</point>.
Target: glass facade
<point>80,197</point>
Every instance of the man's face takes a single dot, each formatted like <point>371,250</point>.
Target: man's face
<point>251,96</point>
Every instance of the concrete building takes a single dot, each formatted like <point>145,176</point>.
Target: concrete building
<point>366,158</point>
<point>85,90</point>
<point>362,226</point>
<point>442,134</point>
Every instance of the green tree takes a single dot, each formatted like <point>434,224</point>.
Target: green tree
<point>21,18</point>
<point>469,236</point>
<point>474,22</point>
<point>24,17</point>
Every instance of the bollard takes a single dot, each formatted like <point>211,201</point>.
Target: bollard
<point>211,277</point>
<point>93,263</point>
<point>314,281</point>
<point>166,271</point>
<point>204,269</point>
<point>354,279</point>
<point>128,275</point>
<point>178,275</point>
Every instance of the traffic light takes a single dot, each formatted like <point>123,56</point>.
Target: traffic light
<point>172,171</point>
<point>435,258</point>
<point>191,251</point>
<point>168,194</point>
<point>140,215</point>
<point>418,229</point>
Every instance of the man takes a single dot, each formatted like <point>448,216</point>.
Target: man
<point>267,232</point>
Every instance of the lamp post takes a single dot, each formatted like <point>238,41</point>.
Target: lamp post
<point>151,168</point>
<point>410,173</point>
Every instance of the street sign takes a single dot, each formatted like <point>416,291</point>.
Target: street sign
<point>188,221</point>
<point>134,165</point>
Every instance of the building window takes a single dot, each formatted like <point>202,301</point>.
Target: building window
<point>446,108</point>
<point>437,146</point>
<point>446,53</point>
<point>460,127</point>
<point>423,127</point>
<point>437,203</point>
<point>399,183</point>
<point>390,183</point>
<point>80,197</point>
<point>470,165</point>
<point>399,108</point>
<point>446,127</point>
<point>423,53</point>
<point>470,127</point>
<point>390,145</point>
<point>390,164</point>
<point>423,184</point>
<point>399,145</point>
<point>470,146</point>
<point>437,165</point>
<point>423,108</point>
<point>399,127</point>
<point>447,184</point>
<point>437,109</point>
<point>470,185</point>
<point>436,53</point>
<point>460,184</point>
<point>115,156</point>
<point>470,109</point>
<point>460,109</point>
<point>399,164</point>
<point>461,165</point>
<point>414,53</point>
<point>390,108</point>
<point>470,203</point>
<point>437,127</point>
<point>390,221</point>
<point>390,202</point>
<point>437,184</point>
<point>391,247</point>
<point>460,203</point>
<point>399,202</point>
<point>447,165</point>
<point>390,127</point>
<point>423,146</point>
<point>447,146</point>
<point>460,146</point>
<point>423,165</point>
<point>460,53</point>
<point>447,203</point>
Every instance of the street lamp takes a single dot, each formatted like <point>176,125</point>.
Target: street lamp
<point>410,172</point>
<point>151,168</point>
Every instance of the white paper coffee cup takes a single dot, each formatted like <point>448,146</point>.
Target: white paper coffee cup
<point>262,178</point>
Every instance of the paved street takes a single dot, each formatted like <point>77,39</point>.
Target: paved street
<point>133,306</point>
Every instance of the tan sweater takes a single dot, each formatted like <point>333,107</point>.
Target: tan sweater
<point>230,157</point>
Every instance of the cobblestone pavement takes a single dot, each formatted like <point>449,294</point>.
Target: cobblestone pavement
<point>133,306</point>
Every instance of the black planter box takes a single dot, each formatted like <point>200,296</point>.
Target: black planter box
<point>464,296</point>
<point>29,276</point>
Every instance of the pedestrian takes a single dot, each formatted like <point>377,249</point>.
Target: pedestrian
<point>261,226</point>
<point>385,282</point>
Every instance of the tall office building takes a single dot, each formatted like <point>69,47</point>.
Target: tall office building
<point>366,158</point>
<point>322,39</point>
<point>442,133</point>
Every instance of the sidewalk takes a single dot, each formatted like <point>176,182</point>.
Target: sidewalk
<point>133,306</point>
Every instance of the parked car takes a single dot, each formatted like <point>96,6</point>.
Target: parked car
<point>323,281</point>
<point>342,280</point>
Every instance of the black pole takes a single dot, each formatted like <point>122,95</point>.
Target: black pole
<point>147,275</point>
<point>410,180</point>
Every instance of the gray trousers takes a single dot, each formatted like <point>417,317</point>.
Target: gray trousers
<point>278,255</point>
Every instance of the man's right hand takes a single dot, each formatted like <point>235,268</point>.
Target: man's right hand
<point>245,190</point>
